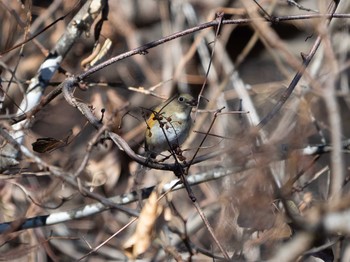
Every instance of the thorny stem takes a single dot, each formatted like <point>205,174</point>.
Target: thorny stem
<point>179,172</point>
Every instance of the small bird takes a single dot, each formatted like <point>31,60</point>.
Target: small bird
<point>169,124</point>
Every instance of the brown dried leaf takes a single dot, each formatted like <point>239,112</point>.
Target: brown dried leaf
<point>140,241</point>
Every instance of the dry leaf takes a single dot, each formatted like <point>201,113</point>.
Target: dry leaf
<point>140,241</point>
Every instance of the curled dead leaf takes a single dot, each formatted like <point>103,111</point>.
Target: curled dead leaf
<point>141,240</point>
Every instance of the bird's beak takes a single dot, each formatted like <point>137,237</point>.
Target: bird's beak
<point>192,103</point>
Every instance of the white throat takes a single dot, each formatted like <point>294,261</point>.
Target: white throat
<point>181,115</point>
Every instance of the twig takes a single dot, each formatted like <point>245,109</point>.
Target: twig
<point>287,92</point>
<point>211,231</point>
<point>66,177</point>
<point>219,18</point>
<point>109,238</point>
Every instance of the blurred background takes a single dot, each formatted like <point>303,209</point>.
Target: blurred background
<point>246,67</point>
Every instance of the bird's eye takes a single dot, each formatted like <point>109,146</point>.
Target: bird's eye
<point>181,99</point>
